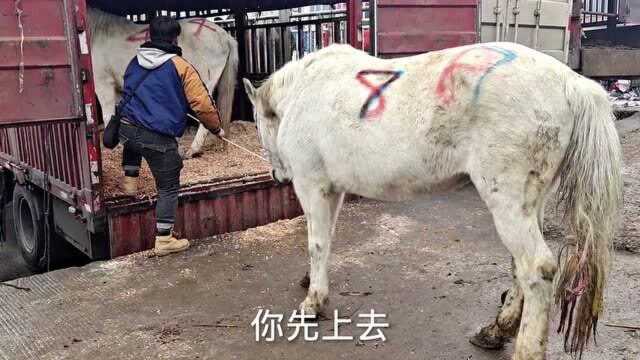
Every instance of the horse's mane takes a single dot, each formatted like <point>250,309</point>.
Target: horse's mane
<point>270,89</point>
<point>102,23</point>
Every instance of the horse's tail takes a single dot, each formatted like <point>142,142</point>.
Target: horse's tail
<point>227,85</point>
<point>591,188</point>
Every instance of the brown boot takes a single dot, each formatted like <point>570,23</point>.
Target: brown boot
<point>130,185</point>
<point>168,244</point>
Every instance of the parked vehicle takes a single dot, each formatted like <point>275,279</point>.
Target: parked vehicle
<point>50,151</point>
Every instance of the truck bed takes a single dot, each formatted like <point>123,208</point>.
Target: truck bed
<point>217,163</point>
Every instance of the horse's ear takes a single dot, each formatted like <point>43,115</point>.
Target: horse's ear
<point>251,91</point>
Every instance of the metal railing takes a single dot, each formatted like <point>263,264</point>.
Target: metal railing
<point>272,41</point>
<point>601,12</point>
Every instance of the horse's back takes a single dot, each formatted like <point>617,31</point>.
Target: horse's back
<point>432,115</point>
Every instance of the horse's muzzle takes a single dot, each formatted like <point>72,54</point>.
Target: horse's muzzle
<point>278,181</point>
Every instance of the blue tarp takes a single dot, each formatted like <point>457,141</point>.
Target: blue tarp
<point>147,6</point>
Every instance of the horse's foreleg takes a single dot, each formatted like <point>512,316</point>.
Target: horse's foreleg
<point>198,142</point>
<point>495,335</point>
<point>516,220</point>
<point>321,210</point>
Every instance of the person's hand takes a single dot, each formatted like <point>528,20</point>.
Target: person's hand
<point>221,134</point>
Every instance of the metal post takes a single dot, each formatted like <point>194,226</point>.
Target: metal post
<point>243,105</point>
<point>300,41</point>
<point>575,35</point>
<point>373,27</point>
<point>318,36</point>
<point>354,16</point>
<point>284,16</point>
<point>612,21</point>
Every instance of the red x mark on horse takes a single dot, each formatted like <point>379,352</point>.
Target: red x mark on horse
<point>202,23</point>
<point>376,91</point>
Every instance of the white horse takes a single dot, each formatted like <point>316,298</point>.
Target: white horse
<point>211,50</point>
<point>512,120</point>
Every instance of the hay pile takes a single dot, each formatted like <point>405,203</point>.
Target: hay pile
<point>216,163</point>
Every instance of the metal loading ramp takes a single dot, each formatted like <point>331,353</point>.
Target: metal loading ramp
<point>435,267</point>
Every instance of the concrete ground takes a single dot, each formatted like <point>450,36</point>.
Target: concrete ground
<point>435,267</point>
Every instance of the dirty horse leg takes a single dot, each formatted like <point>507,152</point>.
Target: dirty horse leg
<point>515,213</point>
<point>321,208</point>
<point>198,142</point>
<point>506,324</point>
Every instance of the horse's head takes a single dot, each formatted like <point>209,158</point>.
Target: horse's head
<point>268,122</point>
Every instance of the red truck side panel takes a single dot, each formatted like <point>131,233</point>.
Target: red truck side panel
<point>203,211</point>
<point>50,88</point>
<point>47,131</point>
<point>407,27</point>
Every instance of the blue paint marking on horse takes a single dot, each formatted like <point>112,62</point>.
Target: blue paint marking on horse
<point>508,56</point>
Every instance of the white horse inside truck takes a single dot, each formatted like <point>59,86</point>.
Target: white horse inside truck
<point>514,121</point>
<point>207,46</point>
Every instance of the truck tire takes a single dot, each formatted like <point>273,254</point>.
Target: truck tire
<point>29,226</point>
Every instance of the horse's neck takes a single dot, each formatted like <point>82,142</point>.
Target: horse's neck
<point>101,22</point>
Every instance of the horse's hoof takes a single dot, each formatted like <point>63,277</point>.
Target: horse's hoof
<point>305,281</point>
<point>486,340</point>
<point>309,309</point>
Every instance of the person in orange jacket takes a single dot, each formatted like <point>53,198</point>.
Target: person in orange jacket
<point>160,89</point>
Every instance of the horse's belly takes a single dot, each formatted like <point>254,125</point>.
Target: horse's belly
<point>406,188</point>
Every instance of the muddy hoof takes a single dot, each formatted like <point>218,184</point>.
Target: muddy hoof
<point>305,281</point>
<point>484,339</point>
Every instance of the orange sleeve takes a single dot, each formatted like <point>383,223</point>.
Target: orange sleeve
<point>197,95</point>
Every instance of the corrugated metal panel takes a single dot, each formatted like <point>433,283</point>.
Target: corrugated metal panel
<point>4,141</point>
<point>52,148</point>
<point>203,211</point>
<point>407,27</point>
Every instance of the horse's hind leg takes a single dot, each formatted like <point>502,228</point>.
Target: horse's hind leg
<point>321,208</point>
<point>506,324</point>
<point>515,213</point>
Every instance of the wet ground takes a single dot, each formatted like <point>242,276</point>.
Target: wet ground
<point>435,267</point>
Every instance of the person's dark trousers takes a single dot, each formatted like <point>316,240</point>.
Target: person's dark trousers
<point>161,153</point>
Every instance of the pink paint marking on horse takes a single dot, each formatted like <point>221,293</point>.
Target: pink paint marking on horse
<point>445,88</point>
<point>202,23</point>
<point>142,35</point>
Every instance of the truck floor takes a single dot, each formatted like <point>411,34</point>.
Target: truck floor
<point>435,267</point>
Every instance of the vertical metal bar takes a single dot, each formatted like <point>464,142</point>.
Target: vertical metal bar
<point>354,16</point>
<point>505,33</point>
<point>373,27</point>
<point>262,58</point>
<point>537,13</point>
<point>254,56</point>
<point>496,11</point>
<point>612,21</point>
<point>244,106</point>
<point>270,50</point>
<point>318,36</point>
<point>300,41</point>
<point>516,12</point>
<point>283,41</point>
